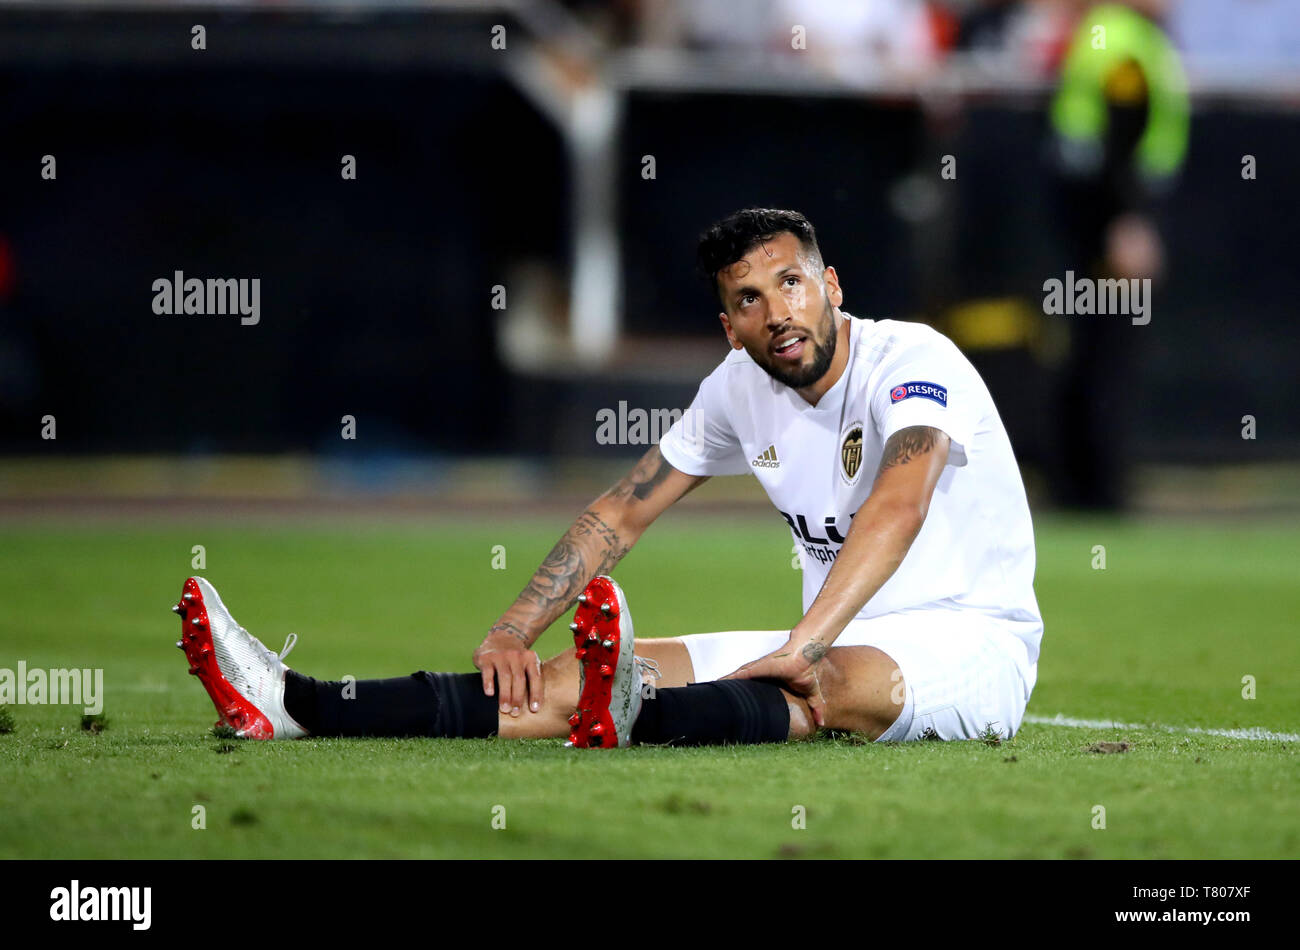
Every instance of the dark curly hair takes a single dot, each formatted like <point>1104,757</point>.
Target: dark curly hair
<point>730,239</point>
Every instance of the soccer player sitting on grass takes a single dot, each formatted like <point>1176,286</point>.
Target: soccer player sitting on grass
<point>879,445</point>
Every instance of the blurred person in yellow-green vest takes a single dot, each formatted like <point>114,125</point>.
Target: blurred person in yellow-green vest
<point>1119,122</point>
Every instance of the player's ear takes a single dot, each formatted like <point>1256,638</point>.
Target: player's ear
<point>726,328</point>
<point>833,290</point>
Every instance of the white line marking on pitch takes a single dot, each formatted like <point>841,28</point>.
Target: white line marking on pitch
<point>1255,732</point>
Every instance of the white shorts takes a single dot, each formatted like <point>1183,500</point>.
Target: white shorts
<point>964,673</point>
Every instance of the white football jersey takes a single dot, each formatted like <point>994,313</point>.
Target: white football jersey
<point>975,551</point>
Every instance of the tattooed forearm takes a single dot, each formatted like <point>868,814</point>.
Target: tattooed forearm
<point>592,524</point>
<point>511,629</point>
<point>905,444</point>
<point>590,547</point>
<point>594,545</point>
<point>648,474</point>
<point>612,557</point>
<point>589,523</point>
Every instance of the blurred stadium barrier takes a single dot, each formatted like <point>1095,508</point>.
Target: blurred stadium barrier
<point>523,168</point>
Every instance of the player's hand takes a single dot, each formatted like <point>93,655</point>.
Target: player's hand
<point>510,670</point>
<point>796,666</point>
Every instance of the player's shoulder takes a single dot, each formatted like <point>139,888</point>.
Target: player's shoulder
<point>907,333</point>
<point>737,366</point>
<point>735,379</point>
<point>891,340</point>
<point>737,357</point>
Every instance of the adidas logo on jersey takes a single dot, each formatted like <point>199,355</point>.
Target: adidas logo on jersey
<point>768,459</point>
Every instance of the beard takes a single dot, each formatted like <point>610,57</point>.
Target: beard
<point>797,377</point>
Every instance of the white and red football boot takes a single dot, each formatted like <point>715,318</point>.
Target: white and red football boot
<point>609,694</point>
<point>244,678</point>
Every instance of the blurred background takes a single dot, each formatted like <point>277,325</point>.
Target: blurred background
<point>512,260</point>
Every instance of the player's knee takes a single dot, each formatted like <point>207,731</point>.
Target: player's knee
<point>802,723</point>
<point>561,660</point>
<point>872,722</point>
<point>864,690</point>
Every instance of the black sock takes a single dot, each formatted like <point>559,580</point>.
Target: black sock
<point>717,713</point>
<point>422,704</point>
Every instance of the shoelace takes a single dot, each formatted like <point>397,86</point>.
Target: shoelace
<point>289,643</point>
<point>648,666</point>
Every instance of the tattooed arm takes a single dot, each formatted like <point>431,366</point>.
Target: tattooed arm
<point>595,542</point>
<point>882,532</point>
<point>883,529</point>
<point>598,540</point>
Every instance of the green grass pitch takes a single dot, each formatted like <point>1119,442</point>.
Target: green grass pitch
<point>1164,635</point>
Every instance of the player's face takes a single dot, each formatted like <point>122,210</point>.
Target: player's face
<point>780,308</point>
